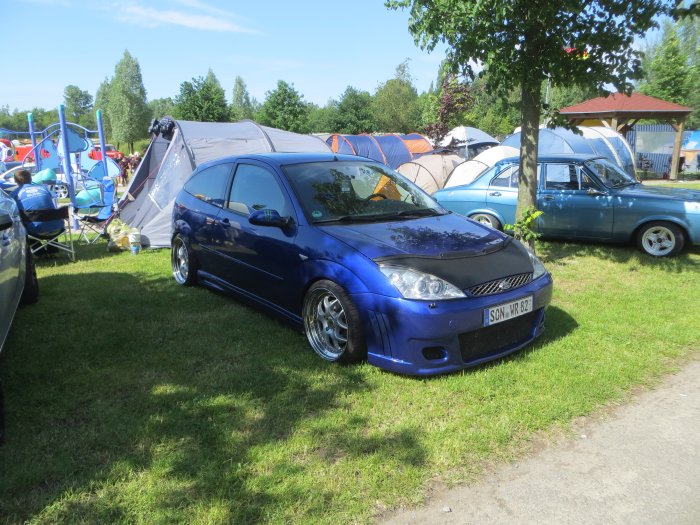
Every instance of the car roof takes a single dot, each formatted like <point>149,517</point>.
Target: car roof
<point>558,157</point>
<point>283,159</point>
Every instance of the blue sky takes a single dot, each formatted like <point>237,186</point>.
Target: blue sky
<point>319,46</point>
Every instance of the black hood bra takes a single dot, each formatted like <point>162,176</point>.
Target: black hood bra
<point>466,270</point>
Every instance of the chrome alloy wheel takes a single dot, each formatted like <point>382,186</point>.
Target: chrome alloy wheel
<point>658,241</point>
<point>180,262</point>
<point>326,324</point>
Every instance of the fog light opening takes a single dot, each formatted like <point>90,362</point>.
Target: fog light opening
<point>434,353</point>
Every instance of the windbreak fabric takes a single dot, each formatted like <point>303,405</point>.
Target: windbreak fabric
<point>592,141</point>
<point>168,164</point>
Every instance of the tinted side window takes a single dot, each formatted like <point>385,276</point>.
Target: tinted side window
<point>504,177</point>
<point>256,188</point>
<point>210,184</point>
<point>561,177</point>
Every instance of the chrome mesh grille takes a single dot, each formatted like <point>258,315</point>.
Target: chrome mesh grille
<point>500,285</point>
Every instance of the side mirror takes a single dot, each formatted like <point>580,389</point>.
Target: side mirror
<point>269,217</point>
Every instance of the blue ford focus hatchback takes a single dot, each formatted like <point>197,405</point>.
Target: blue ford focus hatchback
<point>362,260</point>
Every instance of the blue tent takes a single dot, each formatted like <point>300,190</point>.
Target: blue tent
<point>392,150</point>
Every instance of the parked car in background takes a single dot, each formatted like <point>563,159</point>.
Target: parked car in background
<point>18,282</point>
<point>361,259</point>
<point>112,152</point>
<point>584,197</point>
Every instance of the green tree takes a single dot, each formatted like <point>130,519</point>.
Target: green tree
<point>284,108</point>
<point>102,103</point>
<point>454,101</point>
<point>202,100</point>
<point>161,107</point>
<point>587,42</point>
<point>323,119</point>
<point>354,113</point>
<point>667,77</point>
<point>689,34</point>
<point>128,111</point>
<point>241,104</point>
<point>78,105</point>
<point>395,104</point>
<point>17,119</point>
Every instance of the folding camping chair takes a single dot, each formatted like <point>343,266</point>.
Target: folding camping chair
<point>93,205</point>
<point>89,201</point>
<point>61,240</point>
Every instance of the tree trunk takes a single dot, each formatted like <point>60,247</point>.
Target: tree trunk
<point>529,137</point>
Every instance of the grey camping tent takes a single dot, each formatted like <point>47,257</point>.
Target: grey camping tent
<point>179,146</point>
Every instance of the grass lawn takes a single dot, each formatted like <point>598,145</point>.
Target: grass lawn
<point>130,399</point>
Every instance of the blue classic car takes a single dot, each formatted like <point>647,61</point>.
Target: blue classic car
<point>584,197</point>
<point>361,259</point>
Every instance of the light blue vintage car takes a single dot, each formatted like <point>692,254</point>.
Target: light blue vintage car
<point>584,197</point>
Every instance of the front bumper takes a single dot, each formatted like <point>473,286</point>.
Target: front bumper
<point>436,337</point>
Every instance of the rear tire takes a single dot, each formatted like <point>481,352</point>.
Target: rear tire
<point>660,239</point>
<point>30,294</point>
<point>486,219</point>
<point>183,262</point>
<point>2,417</point>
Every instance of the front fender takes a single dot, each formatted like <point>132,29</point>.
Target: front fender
<point>692,233</point>
<point>340,274</point>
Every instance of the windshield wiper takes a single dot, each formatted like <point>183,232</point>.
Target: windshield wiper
<point>350,218</point>
<point>421,212</point>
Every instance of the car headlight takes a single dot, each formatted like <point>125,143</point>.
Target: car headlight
<point>538,268</point>
<point>413,284</point>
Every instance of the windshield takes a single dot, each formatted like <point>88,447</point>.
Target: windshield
<point>610,174</point>
<point>357,191</point>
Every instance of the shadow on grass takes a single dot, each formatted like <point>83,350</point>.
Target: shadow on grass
<point>145,401</point>
<point>561,252</point>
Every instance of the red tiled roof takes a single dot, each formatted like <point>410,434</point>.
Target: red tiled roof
<point>621,103</point>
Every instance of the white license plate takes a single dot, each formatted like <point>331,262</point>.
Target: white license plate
<point>505,311</point>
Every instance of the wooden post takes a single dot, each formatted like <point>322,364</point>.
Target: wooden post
<point>675,158</point>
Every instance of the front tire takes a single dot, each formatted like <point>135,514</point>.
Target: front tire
<point>660,239</point>
<point>183,262</point>
<point>486,219</point>
<point>332,324</point>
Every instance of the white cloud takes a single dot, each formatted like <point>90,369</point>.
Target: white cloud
<point>201,6</point>
<point>150,17</point>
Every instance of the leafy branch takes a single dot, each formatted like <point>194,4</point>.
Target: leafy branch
<point>523,227</point>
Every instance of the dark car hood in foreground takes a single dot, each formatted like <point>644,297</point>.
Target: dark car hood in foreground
<point>443,236</point>
<point>451,247</point>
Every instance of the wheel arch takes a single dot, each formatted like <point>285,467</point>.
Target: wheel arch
<point>661,218</point>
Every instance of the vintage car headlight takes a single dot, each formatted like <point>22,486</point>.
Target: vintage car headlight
<point>538,268</point>
<point>413,284</point>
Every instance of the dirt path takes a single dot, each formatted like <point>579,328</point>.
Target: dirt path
<point>640,464</point>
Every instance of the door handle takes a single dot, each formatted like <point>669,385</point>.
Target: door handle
<point>548,198</point>
<point>225,223</point>
<point>495,194</point>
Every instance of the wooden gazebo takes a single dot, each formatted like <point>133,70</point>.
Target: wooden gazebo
<point>620,112</point>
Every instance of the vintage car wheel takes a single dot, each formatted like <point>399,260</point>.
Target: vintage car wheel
<point>486,219</point>
<point>332,323</point>
<point>183,262</point>
<point>30,294</point>
<point>61,191</point>
<point>660,239</point>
